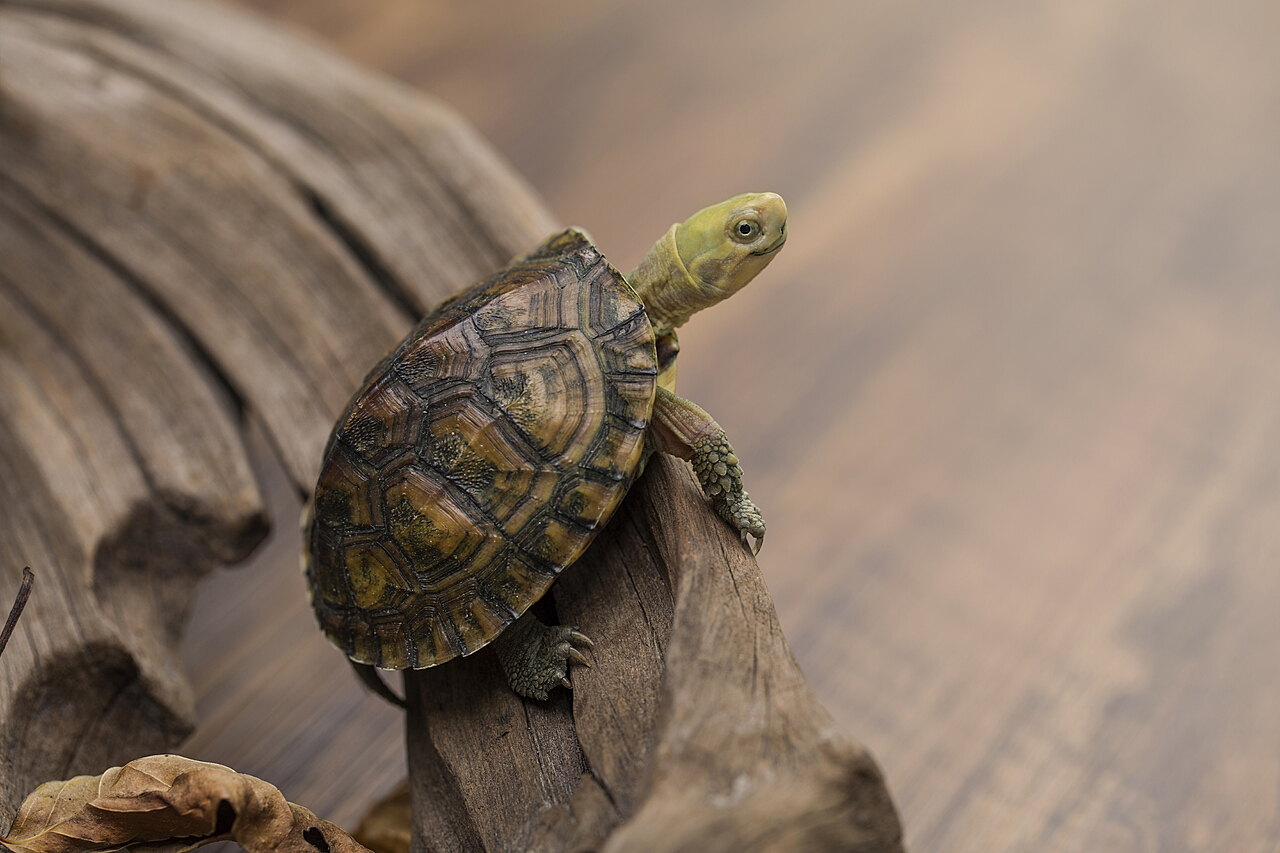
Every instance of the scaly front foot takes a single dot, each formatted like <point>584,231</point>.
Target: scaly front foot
<point>682,428</point>
<point>721,477</point>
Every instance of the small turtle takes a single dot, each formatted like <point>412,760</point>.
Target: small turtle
<point>483,455</point>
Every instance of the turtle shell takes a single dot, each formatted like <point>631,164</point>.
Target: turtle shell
<point>480,458</point>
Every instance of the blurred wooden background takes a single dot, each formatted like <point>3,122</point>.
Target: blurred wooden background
<point>1010,398</point>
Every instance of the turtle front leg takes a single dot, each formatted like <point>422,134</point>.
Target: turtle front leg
<point>682,428</point>
<point>535,657</point>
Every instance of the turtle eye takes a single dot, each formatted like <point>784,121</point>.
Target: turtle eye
<point>746,230</point>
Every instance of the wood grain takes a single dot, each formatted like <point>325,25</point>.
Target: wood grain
<point>1009,399</point>
<point>219,186</point>
<point>693,730</point>
<point>178,252</point>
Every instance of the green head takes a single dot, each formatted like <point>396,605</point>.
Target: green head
<point>709,257</point>
<point>725,245</point>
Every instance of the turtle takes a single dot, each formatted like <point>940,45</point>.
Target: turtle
<point>483,454</point>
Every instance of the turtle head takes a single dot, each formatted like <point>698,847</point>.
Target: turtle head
<point>725,245</point>
<point>709,257</point>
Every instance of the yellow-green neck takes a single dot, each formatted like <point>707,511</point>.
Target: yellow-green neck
<point>709,257</point>
<point>670,295</point>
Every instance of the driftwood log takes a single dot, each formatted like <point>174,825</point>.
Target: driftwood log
<point>204,220</point>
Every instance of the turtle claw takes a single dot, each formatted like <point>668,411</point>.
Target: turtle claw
<point>745,516</point>
<point>717,469</point>
<point>536,657</point>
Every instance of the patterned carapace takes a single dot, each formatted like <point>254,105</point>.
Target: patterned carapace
<point>480,458</point>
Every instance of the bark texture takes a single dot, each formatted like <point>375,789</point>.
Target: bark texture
<point>694,730</point>
<point>202,219</point>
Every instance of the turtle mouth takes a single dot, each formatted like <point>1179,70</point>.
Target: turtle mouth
<point>774,246</point>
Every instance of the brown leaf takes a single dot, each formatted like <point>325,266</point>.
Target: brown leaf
<point>169,804</point>
<point>387,826</point>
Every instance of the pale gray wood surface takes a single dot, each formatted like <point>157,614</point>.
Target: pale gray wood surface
<point>1010,398</point>
<point>262,221</point>
<point>1015,398</point>
<point>194,214</point>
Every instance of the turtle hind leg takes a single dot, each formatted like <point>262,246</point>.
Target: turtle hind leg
<point>535,657</point>
<point>682,428</point>
<point>369,676</point>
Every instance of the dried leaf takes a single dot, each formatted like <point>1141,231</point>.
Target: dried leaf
<point>388,825</point>
<point>168,804</point>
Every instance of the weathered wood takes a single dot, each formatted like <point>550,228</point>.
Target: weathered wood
<point>1016,445</point>
<point>163,267</point>
<point>92,671</point>
<point>206,217</point>
<point>695,729</point>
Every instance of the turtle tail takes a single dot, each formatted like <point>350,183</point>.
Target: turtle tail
<point>369,676</point>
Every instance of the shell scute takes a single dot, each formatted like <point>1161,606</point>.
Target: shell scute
<point>532,302</point>
<point>330,592</point>
<point>376,579</point>
<point>483,455</point>
<point>516,578</point>
<point>345,493</point>
<point>548,391</point>
<point>607,455</point>
<point>439,544</point>
<point>618,350</point>
<point>478,620</point>
<point>384,421</point>
<point>449,349</point>
<point>553,540</point>
<point>481,458</point>
<point>628,401</point>
<point>578,496</point>
<point>606,309</point>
